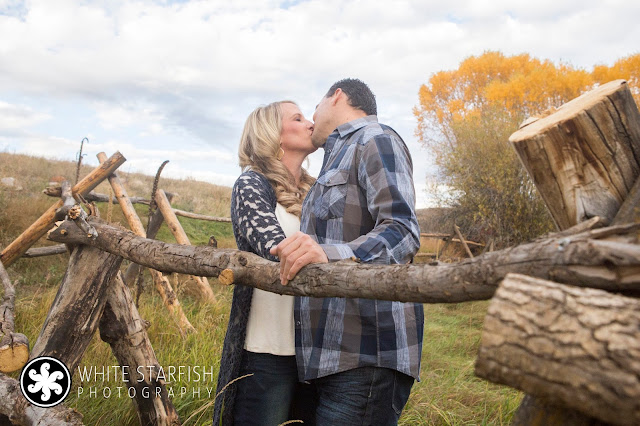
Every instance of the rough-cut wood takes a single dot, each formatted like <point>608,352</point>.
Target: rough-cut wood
<point>54,191</point>
<point>32,234</point>
<point>78,306</point>
<point>447,236</point>
<point>585,157</point>
<point>630,209</point>
<point>122,327</point>
<point>584,160</point>
<point>162,284</point>
<point>190,215</point>
<point>133,270</point>
<point>575,346</point>
<point>20,412</point>
<point>586,259</point>
<point>203,287</point>
<point>456,229</point>
<point>14,347</point>
<point>45,251</point>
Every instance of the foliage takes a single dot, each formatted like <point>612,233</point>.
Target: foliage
<point>465,117</point>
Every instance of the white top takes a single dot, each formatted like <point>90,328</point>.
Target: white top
<point>270,327</point>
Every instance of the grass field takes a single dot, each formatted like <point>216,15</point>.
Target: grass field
<point>448,393</point>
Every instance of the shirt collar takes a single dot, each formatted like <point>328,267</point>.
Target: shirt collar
<point>347,128</point>
<point>353,125</point>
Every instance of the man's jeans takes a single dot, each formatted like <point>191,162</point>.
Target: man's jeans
<point>363,396</point>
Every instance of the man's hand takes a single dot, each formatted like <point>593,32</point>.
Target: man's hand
<point>295,252</point>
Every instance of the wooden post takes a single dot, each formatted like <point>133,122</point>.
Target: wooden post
<point>14,347</point>
<point>202,284</point>
<point>162,284</point>
<point>77,308</point>
<point>584,159</point>
<point>577,347</point>
<point>456,229</point>
<point>32,234</point>
<point>126,332</point>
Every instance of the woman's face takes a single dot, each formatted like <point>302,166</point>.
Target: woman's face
<point>296,131</point>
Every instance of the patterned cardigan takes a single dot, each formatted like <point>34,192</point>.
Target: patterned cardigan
<point>256,229</point>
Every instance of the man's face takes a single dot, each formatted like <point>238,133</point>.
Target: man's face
<point>322,126</point>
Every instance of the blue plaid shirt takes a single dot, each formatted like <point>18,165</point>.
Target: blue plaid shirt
<point>363,206</point>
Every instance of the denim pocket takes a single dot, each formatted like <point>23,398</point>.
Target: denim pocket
<point>334,193</point>
<point>401,389</point>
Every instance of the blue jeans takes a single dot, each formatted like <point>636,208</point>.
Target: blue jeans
<point>363,396</point>
<point>266,398</point>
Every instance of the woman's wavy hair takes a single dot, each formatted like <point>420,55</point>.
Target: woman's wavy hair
<point>259,147</point>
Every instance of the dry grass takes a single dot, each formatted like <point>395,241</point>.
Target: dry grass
<point>449,393</point>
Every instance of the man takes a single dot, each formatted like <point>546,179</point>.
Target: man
<point>361,355</point>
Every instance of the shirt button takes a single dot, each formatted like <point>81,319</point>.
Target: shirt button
<point>298,323</point>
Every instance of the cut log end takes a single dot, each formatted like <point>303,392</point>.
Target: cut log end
<point>226,277</point>
<point>14,354</point>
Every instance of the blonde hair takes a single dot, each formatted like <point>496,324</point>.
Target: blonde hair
<point>259,147</point>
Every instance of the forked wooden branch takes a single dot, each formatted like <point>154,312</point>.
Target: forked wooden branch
<point>606,258</point>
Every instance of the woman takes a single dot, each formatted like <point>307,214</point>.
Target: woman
<point>265,207</point>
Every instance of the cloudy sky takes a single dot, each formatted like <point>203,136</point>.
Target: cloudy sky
<point>175,80</point>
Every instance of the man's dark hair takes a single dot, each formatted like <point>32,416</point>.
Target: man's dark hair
<point>359,94</point>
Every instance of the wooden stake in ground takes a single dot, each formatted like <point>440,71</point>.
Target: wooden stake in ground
<point>202,284</point>
<point>78,306</point>
<point>14,347</point>
<point>585,157</point>
<point>122,327</point>
<point>574,346</point>
<point>162,284</point>
<point>32,234</point>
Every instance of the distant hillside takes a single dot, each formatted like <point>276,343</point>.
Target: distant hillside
<point>32,175</point>
<point>435,220</point>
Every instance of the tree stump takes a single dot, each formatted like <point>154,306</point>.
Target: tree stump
<point>577,347</point>
<point>585,157</point>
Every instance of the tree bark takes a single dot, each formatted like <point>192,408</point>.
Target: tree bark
<point>126,332</point>
<point>203,287</point>
<point>14,347</point>
<point>575,346</point>
<point>162,284</point>
<point>586,259</point>
<point>78,306</point>
<point>585,157</point>
<point>32,234</point>
<point>155,222</point>
<point>45,251</point>
<point>20,412</point>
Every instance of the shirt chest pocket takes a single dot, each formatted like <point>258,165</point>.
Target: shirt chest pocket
<point>330,204</point>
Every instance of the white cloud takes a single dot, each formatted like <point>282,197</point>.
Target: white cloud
<point>14,117</point>
<point>162,79</point>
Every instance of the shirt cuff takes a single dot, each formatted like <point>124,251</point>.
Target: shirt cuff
<point>337,252</point>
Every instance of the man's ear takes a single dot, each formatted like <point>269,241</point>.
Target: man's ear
<point>337,96</point>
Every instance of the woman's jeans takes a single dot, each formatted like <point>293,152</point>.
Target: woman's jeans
<point>266,398</point>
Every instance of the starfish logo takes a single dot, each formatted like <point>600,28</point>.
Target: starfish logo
<point>45,381</point>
